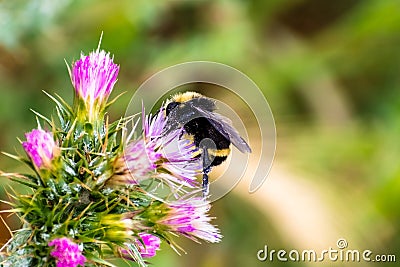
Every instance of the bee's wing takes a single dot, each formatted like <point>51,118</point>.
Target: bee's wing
<point>224,126</point>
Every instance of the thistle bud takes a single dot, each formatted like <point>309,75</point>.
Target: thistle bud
<point>148,245</point>
<point>117,226</point>
<point>40,147</point>
<point>93,78</point>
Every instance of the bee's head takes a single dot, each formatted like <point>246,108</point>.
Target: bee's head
<point>180,98</point>
<point>170,107</point>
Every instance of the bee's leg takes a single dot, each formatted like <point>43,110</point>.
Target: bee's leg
<point>206,171</point>
<point>206,185</point>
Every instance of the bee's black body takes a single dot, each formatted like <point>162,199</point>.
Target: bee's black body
<point>201,129</point>
<point>210,132</point>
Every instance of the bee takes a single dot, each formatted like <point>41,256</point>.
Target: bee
<point>211,133</point>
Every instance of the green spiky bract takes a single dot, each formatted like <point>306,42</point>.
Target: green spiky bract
<point>89,202</point>
<point>72,198</point>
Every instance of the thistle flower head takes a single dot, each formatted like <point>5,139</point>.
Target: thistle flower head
<point>40,147</point>
<point>73,188</point>
<point>66,252</point>
<point>165,157</point>
<point>190,219</point>
<point>148,245</point>
<point>93,78</point>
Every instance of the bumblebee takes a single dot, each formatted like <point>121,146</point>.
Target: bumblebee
<point>211,132</point>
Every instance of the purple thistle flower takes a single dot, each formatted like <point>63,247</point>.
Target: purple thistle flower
<point>190,219</point>
<point>93,78</point>
<point>168,158</point>
<point>66,252</point>
<point>141,159</point>
<point>40,147</point>
<point>148,245</point>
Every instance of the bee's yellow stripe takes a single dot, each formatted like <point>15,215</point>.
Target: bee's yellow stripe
<point>219,152</point>
<point>196,153</point>
<point>212,152</point>
<point>186,96</point>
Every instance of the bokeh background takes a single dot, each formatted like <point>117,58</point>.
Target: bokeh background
<point>329,70</point>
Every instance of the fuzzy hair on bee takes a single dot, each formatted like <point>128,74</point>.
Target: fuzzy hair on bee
<point>211,132</point>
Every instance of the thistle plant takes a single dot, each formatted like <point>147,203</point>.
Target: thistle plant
<point>93,183</point>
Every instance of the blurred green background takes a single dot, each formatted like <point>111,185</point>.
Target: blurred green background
<point>329,70</point>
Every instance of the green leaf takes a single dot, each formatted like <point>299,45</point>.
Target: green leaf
<point>25,182</point>
<point>42,117</point>
<point>114,100</point>
<point>62,105</point>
